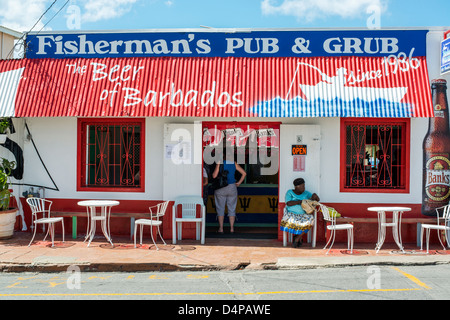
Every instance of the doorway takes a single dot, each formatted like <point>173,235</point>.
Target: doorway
<point>255,147</point>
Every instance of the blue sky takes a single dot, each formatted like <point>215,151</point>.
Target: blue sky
<point>151,14</point>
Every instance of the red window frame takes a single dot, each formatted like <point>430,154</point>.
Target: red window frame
<point>82,150</point>
<point>404,168</point>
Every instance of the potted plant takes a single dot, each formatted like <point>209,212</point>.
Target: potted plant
<point>7,214</point>
<point>4,125</point>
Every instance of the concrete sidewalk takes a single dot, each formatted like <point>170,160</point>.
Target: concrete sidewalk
<point>189,255</point>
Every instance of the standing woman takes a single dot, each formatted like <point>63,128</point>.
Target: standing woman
<point>296,220</point>
<point>228,195</point>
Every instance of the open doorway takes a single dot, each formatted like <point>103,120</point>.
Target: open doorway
<point>255,147</point>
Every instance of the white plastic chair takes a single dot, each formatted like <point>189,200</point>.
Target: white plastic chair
<point>188,213</point>
<point>438,227</point>
<point>41,206</point>
<point>312,235</point>
<point>156,212</point>
<point>334,227</point>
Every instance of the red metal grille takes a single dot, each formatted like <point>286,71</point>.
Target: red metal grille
<point>111,154</point>
<point>375,155</point>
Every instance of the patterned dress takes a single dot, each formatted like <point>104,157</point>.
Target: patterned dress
<point>296,220</point>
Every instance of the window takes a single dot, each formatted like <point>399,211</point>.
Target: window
<point>111,155</point>
<point>375,155</point>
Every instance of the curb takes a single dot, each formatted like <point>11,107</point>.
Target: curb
<point>288,263</point>
<point>112,267</point>
<point>338,262</point>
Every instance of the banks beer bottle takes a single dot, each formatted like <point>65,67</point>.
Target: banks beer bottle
<point>436,153</point>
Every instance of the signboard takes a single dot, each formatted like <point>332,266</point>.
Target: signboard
<point>299,150</point>
<point>227,43</point>
<point>445,56</point>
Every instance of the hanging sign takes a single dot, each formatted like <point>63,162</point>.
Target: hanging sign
<point>445,56</point>
<point>299,150</point>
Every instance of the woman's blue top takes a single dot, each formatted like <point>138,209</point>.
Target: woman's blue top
<point>292,196</point>
<point>231,167</point>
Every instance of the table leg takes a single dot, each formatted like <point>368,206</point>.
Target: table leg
<point>105,223</point>
<point>92,232</point>
<point>381,230</point>
<point>92,229</point>
<point>105,231</point>
<point>88,229</point>
<point>397,216</point>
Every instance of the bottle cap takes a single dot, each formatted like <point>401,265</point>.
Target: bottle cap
<point>439,81</point>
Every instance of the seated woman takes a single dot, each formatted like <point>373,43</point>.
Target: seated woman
<point>296,220</point>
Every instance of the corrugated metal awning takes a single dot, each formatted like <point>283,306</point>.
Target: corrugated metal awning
<point>216,87</point>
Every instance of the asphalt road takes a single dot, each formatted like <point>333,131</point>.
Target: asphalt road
<point>239,288</point>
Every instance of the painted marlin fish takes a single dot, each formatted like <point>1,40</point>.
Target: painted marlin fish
<point>332,88</point>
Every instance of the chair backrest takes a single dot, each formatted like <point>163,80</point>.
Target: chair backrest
<point>188,206</point>
<point>39,206</point>
<point>445,213</point>
<point>326,214</point>
<point>160,209</point>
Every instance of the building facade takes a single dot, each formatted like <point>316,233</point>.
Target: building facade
<point>134,116</point>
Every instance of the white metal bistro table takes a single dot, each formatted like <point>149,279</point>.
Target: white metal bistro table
<point>104,216</point>
<point>395,224</point>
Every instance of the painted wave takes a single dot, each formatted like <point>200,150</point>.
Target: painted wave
<point>299,107</point>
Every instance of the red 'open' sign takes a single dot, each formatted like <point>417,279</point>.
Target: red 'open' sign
<point>299,150</point>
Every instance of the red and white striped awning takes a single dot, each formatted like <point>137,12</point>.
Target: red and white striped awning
<point>216,87</point>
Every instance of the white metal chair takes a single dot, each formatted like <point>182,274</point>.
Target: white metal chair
<point>188,213</point>
<point>438,227</point>
<point>156,212</point>
<point>312,235</point>
<point>334,227</point>
<point>42,207</point>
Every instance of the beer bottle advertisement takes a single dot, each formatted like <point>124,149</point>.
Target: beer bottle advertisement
<point>436,153</point>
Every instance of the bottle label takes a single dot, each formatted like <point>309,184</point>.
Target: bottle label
<point>438,111</point>
<point>437,186</point>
